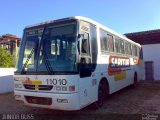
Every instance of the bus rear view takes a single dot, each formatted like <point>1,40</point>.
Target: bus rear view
<point>47,69</point>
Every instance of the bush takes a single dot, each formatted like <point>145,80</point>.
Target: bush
<point>6,59</point>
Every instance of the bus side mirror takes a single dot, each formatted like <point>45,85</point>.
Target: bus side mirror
<point>80,35</point>
<point>85,72</point>
<point>78,42</point>
<point>78,46</point>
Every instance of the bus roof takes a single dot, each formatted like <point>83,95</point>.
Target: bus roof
<point>87,20</point>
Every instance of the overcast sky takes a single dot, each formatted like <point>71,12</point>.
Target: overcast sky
<point>122,16</point>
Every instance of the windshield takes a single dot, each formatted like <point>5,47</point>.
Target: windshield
<point>51,51</point>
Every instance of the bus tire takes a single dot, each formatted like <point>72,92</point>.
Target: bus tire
<point>102,94</point>
<point>134,81</point>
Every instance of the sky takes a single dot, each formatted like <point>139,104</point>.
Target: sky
<point>122,16</point>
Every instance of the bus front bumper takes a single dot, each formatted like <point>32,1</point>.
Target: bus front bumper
<point>55,101</point>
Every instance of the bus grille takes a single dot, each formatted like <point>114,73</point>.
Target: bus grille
<point>40,87</point>
<point>38,100</point>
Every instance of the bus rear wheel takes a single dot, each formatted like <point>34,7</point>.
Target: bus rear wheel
<point>135,80</point>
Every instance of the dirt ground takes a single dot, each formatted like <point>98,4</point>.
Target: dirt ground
<point>129,103</point>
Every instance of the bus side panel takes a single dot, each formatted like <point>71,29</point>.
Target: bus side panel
<point>88,90</point>
<point>116,81</point>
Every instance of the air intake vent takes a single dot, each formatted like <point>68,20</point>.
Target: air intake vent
<point>40,87</point>
<point>38,100</point>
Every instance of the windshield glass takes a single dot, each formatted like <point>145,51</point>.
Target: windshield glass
<point>54,51</point>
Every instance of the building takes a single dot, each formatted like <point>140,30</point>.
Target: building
<point>10,42</point>
<point>150,41</point>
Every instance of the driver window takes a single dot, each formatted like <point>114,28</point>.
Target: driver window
<point>85,49</point>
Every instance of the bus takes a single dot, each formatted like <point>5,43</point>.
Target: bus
<point>70,63</point>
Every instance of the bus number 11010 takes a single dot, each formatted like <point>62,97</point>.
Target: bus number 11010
<point>56,81</point>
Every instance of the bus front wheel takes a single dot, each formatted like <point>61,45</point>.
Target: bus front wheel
<point>101,97</point>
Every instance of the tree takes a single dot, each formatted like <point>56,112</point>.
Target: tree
<point>6,59</point>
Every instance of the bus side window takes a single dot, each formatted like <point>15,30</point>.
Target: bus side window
<point>134,50</point>
<point>130,50</point>
<point>117,44</point>
<point>85,44</point>
<point>121,46</point>
<point>138,51</point>
<point>127,48</point>
<point>110,46</point>
<point>93,38</point>
<point>103,40</point>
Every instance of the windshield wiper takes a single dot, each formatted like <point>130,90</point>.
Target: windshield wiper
<point>26,63</point>
<point>41,46</point>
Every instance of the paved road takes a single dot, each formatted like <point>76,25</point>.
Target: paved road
<point>145,98</point>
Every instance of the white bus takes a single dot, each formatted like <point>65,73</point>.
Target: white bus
<point>70,63</point>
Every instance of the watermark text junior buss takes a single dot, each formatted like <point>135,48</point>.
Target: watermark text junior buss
<point>17,117</point>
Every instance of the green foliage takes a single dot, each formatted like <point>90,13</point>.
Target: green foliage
<point>6,59</point>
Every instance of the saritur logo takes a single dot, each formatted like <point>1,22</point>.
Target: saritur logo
<point>115,61</point>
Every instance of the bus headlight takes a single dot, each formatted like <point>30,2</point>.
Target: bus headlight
<point>18,85</point>
<point>17,96</point>
<point>21,78</point>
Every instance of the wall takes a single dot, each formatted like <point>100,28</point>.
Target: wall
<point>6,80</point>
<point>151,52</point>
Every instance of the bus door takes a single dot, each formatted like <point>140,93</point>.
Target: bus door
<point>85,68</point>
<point>85,56</point>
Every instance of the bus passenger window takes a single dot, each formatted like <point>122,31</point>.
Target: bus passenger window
<point>121,46</point>
<point>110,43</point>
<point>126,48</point>
<point>129,49</point>
<point>134,50</point>
<point>116,45</point>
<point>104,40</point>
<point>138,51</point>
